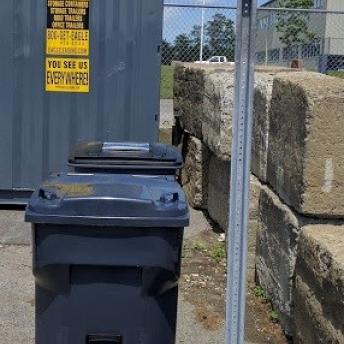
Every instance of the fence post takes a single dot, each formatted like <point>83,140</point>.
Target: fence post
<point>202,34</point>
<point>240,171</point>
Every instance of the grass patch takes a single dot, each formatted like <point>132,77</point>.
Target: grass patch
<point>199,246</point>
<point>260,293</point>
<point>218,252</point>
<point>166,82</point>
<point>274,316</point>
<point>337,74</point>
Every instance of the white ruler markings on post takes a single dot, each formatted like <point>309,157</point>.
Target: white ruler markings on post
<point>240,171</point>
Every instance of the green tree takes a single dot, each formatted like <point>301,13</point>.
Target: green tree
<point>195,36</point>
<point>166,52</point>
<point>220,34</point>
<point>182,50</point>
<point>294,26</point>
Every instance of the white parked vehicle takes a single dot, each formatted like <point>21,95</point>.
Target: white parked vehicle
<point>216,60</point>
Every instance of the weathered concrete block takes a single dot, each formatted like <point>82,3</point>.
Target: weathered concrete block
<point>188,97</point>
<point>218,202</point>
<point>194,175</point>
<point>217,112</point>
<point>218,190</point>
<point>264,78</point>
<point>276,253</point>
<point>319,287</point>
<point>306,143</point>
<point>261,122</point>
<point>204,102</point>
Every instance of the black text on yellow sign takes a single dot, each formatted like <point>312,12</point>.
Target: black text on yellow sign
<point>67,75</point>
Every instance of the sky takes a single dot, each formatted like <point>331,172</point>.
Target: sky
<point>181,20</point>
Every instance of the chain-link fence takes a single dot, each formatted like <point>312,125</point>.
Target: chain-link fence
<point>196,34</point>
<point>316,38</point>
<point>313,37</point>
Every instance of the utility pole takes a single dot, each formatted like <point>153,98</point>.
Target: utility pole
<point>240,171</point>
<point>202,33</point>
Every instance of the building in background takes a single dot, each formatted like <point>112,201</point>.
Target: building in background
<point>316,38</point>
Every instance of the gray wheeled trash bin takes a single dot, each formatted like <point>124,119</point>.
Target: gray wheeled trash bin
<point>124,157</point>
<point>106,258</point>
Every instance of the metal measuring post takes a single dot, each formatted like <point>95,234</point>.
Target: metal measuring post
<point>240,171</point>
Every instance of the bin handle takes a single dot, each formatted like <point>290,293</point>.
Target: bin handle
<point>169,197</point>
<point>127,146</point>
<point>47,194</point>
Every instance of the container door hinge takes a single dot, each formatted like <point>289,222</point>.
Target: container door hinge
<point>246,8</point>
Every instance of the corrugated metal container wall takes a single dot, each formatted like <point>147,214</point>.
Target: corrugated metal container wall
<point>38,128</point>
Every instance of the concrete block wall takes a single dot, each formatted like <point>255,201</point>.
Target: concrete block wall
<point>298,177</point>
<point>194,176</point>
<point>306,143</point>
<point>276,253</point>
<point>203,103</point>
<point>319,286</point>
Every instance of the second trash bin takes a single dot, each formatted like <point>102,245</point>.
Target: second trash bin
<point>123,157</point>
<point>106,258</point>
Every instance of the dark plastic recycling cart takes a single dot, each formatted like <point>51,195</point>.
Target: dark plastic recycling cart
<point>117,157</point>
<point>106,258</point>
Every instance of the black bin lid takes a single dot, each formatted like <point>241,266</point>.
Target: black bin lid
<point>125,155</point>
<point>109,200</point>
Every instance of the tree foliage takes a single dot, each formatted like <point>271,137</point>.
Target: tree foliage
<point>294,26</point>
<point>221,36</point>
<point>219,39</point>
<point>166,52</point>
<point>182,48</point>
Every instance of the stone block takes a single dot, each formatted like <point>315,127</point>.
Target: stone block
<point>306,143</point>
<point>204,102</point>
<point>261,120</point>
<point>218,191</point>
<point>188,98</point>
<point>276,253</point>
<point>217,111</point>
<point>194,175</point>
<point>319,286</point>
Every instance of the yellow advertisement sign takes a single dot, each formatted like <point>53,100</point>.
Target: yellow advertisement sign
<point>68,42</point>
<point>67,75</point>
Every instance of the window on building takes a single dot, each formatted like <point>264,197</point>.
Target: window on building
<point>260,56</point>
<point>290,53</point>
<point>318,3</point>
<point>310,50</point>
<point>263,23</point>
<point>272,19</point>
<point>268,21</point>
<point>273,55</point>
